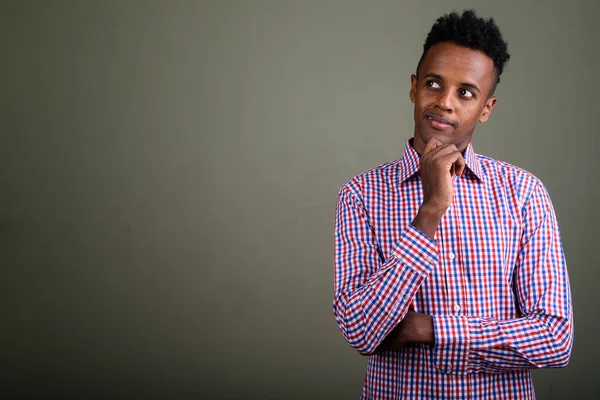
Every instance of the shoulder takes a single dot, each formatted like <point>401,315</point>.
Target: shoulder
<point>493,168</point>
<point>515,180</point>
<point>374,179</point>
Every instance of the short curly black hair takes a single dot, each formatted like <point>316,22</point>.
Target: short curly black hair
<point>469,30</point>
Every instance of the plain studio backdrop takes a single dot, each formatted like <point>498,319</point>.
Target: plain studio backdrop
<point>169,172</point>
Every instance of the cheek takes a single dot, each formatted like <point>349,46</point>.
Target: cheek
<point>471,115</point>
<point>424,100</point>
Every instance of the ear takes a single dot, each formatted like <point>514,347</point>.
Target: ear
<point>487,109</point>
<point>413,88</point>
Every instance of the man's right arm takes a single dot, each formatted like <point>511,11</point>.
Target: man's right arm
<point>374,291</point>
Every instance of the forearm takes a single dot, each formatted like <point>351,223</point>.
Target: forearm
<point>428,219</point>
<point>395,331</point>
<point>369,313</point>
<point>476,344</point>
<point>373,294</point>
<point>542,337</point>
<point>414,328</point>
<point>532,342</point>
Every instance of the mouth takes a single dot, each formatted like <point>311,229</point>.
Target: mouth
<point>439,122</point>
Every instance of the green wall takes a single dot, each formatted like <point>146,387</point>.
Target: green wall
<point>169,173</point>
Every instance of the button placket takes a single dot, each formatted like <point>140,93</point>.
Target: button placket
<point>448,261</point>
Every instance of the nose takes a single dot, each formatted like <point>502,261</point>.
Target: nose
<point>445,101</point>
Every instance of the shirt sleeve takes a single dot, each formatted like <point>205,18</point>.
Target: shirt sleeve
<point>542,337</point>
<point>373,291</point>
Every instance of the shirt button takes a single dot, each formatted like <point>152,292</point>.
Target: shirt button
<point>456,308</point>
<point>451,255</point>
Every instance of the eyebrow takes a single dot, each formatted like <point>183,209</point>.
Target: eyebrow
<point>436,76</point>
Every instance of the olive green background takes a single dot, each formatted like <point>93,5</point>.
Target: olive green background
<point>169,172</point>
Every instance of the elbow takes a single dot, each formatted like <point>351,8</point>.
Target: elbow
<point>560,359</point>
<point>363,340</point>
<point>360,341</point>
<point>366,349</point>
<point>563,353</point>
<point>563,345</point>
<point>564,362</point>
<point>560,348</point>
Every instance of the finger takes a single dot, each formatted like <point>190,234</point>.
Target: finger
<point>431,144</point>
<point>440,150</point>
<point>443,150</point>
<point>460,166</point>
<point>450,159</point>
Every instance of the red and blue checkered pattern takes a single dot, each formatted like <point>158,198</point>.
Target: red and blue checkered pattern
<point>494,279</point>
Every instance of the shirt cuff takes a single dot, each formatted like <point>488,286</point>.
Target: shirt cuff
<point>452,342</point>
<point>417,250</point>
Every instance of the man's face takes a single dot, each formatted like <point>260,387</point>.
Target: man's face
<point>451,95</point>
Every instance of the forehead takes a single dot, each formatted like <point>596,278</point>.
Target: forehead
<point>458,63</point>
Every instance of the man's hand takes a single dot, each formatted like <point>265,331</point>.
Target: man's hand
<point>414,328</point>
<point>439,163</point>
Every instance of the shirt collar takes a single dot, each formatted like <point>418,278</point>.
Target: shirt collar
<point>409,164</point>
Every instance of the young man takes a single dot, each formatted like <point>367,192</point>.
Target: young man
<point>449,269</point>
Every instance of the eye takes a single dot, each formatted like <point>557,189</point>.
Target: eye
<point>433,84</point>
<point>466,93</point>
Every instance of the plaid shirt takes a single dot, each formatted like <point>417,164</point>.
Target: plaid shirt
<point>494,280</point>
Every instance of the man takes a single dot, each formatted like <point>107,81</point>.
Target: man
<point>449,269</point>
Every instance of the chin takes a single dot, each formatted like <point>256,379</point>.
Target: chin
<point>444,137</point>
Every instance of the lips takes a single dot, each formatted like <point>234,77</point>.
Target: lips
<point>438,121</point>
